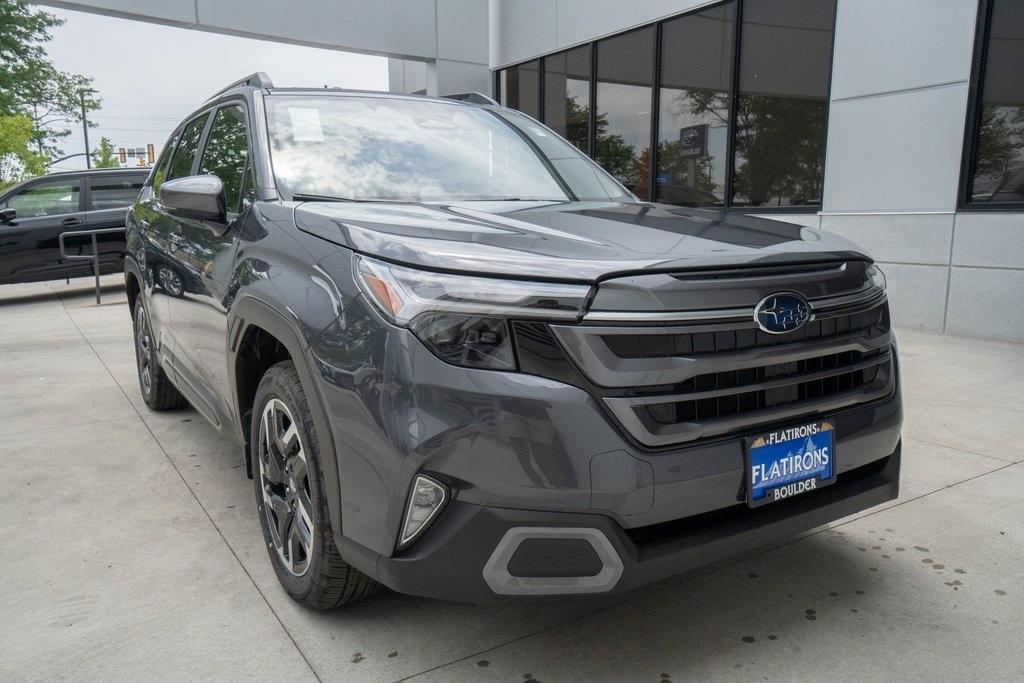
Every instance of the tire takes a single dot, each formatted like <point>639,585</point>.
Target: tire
<point>290,498</point>
<point>157,390</point>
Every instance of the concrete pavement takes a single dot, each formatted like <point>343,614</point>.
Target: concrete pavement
<point>131,548</point>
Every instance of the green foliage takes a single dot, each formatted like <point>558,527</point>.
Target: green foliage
<point>104,156</point>
<point>30,85</point>
<point>17,161</point>
<point>1000,142</point>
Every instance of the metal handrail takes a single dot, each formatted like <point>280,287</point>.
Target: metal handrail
<point>94,256</point>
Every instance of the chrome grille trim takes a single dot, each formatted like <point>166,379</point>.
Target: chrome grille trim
<point>788,380</point>
<point>821,307</point>
<point>675,383</point>
<point>682,432</point>
<point>586,347</point>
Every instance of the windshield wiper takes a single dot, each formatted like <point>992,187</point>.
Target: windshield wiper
<point>507,199</point>
<point>302,197</point>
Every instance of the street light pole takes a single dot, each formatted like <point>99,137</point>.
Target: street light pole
<point>85,130</point>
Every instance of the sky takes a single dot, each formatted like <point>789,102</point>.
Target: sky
<point>151,76</point>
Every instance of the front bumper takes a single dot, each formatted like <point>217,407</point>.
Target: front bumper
<point>520,450</point>
<point>451,560</point>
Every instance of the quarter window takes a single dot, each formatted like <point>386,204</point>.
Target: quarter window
<point>51,198</point>
<point>227,152</point>
<point>188,145</point>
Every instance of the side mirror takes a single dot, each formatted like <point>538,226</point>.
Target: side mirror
<point>200,197</point>
<point>7,216</point>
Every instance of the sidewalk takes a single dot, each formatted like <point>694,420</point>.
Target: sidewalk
<point>131,548</point>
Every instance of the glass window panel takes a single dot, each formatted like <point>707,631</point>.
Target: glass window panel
<point>114,192</point>
<point>782,108</point>
<point>226,153</point>
<point>520,88</point>
<point>998,173</point>
<point>51,198</point>
<point>623,130</point>
<point>585,179</point>
<point>693,117</point>
<point>188,144</point>
<point>567,95</point>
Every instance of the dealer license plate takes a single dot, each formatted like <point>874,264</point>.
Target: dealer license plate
<point>789,462</point>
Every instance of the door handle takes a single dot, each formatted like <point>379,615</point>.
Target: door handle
<point>71,221</point>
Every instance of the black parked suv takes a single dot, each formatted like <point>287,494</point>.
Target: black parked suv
<point>464,362</point>
<point>34,213</point>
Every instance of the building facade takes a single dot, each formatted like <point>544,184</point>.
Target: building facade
<point>898,123</point>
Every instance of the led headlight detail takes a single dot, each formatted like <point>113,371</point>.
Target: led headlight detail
<point>425,502</point>
<point>463,319</point>
<point>876,276</point>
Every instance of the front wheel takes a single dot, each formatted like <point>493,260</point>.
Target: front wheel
<point>290,497</point>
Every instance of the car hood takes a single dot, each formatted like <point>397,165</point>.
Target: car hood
<point>573,241</point>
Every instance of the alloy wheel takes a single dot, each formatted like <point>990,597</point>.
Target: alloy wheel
<point>284,481</point>
<point>143,349</point>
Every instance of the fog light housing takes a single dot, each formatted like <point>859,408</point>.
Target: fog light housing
<point>426,499</point>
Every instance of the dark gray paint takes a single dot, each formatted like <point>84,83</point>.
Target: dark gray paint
<point>521,449</point>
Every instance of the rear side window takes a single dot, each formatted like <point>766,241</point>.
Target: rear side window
<point>227,153</point>
<point>51,198</point>
<point>114,192</point>
<point>188,145</point>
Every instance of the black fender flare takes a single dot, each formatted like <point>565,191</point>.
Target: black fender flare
<point>251,312</point>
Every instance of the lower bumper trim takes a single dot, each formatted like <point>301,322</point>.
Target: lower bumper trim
<point>464,555</point>
<point>502,582</point>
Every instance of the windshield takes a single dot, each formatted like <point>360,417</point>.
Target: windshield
<point>376,148</point>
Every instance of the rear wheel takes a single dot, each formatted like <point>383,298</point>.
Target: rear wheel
<point>157,390</point>
<point>290,497</point>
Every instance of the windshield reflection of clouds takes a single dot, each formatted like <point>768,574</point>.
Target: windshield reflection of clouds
<point>398,149</point>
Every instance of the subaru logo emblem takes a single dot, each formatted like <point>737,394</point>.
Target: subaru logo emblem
<point>779,313</point>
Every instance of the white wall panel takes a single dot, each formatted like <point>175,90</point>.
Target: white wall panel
<point>898,152</point>
<point>990,239</point>
<point>462,30</point>
<point>523,29</point>
<point>176,12</point>
<point>888,45</point>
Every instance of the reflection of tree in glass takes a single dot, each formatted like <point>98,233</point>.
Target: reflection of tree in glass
<point>613,152</point>
<point>577,121</point>
<point>998,154</point>
<point>780,145</point>
<point>226,153</point>
<point>692,182</point>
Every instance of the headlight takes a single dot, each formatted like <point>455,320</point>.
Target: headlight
<point>876,276</point>
<point>463,319</point>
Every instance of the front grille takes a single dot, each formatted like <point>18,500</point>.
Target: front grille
<point>701,343</point>
<point>821,377</point>
<point>669,384</point>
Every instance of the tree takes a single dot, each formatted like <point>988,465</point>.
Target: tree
<point>30,85</point>
<point>17,161</point>
<point>104,157</point>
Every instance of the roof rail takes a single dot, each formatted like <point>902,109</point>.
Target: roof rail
<point>473,97</point>
<point>257,80</point>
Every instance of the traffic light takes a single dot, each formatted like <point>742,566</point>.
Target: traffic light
<point>122,154</point>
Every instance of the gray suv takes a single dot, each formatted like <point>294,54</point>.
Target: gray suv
<point>465,362</point>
